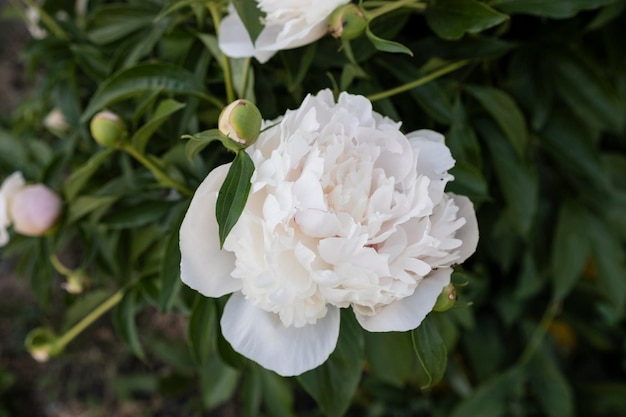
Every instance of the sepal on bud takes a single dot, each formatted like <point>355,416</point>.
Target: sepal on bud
<point>347,22</point>
<point>446,299</point>
<point>107,129</point>
<point>241,122</point>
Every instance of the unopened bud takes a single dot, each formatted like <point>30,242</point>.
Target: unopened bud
<point>347,22</point>
<point>75,282</point>
<point>107,129</point>
<point>40,343</point>
<point>241,121</point>
<point>446,299</point>
<point>55,122</point>
<point>34,209</point>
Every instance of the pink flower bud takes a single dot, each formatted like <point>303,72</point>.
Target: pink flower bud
<point>34,210</point>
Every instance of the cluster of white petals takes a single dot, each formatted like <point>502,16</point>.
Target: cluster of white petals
<point>287,24</point>
<point>31,209</point>
<point>344,211</point>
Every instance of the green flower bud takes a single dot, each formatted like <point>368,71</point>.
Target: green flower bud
<point>241,121</point>
<point>40,343</point>
<point>446,299</point>
<point>107,129</point>
<point>347,22</point>
<point>75,282</point>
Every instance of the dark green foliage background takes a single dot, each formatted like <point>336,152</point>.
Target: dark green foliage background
<point>535,118</point>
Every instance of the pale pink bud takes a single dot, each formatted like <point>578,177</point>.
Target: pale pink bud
<point>34,210</point>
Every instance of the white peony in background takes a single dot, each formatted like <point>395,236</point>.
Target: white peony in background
<point>344,211</point>
<point>31,209</point>
<point>288,24</point>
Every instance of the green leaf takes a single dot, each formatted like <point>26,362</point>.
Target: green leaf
<point>517,181</point>
<point>218,382</point>
<point>490,399</point>
<point>201,328</point>
<point>333,383</point>
<point>277,395</point>
<point>505,112</point>
<point>113,22</point>
<point>609,257</point>
<point>141,79</point>
<point>451,19</point>
<point>553,8</point>
<point>84,205</point>
<point>572,148</point>
<point>251,391</point>
<point>386,45</point>
<point>165,109</point>
<point>199,141</point>
<point>82,175</point>
<point>585,88</point>
<point>169,274</point>
<point>550,387</point>
<point>432,97</point>
<point>431,351</point>
<point>233,194</point>
<point>462,139</point>
<point>138,215</point>
<point>391,366</point>
<point>251,16</point>
<point>570,249</point>
<point>468,181</point>
<point>124,320</point>
<point>530,83</point>
<point>147,40</point>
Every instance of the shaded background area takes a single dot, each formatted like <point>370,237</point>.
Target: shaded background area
<point>98,376</point>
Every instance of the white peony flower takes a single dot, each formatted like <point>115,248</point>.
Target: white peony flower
<point>344,211</point>
<point>288,24</point>
<point>10,187</point>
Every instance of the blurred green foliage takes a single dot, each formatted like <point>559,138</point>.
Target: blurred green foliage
<point>535,118</point>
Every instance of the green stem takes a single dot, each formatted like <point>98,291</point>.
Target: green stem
<point>60,268</point>
<point>391,6</point>
<point>244,83</point>
<point>420,81</point>
<point>228,77</point>
<point>163,178</point>
<point>539,333</point>
<point>68,336</point>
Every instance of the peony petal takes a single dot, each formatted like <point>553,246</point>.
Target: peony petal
<point>468,233</point>
<point>11,185</point>
<point>235,42</point>
<point>262,337</point>
<point>407,313</point>
<point>204,267</point>
<point>318,223</point>
<point>434,157</point>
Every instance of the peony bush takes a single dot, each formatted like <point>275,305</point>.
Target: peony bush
<point>281,208</point>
